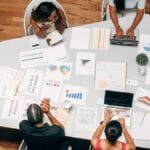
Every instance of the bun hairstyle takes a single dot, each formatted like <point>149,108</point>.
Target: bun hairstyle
<point>113,131</point>
<point>43,11</point>
<point>34,114</point>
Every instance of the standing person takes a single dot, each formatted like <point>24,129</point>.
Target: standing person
<point>126,5</point>
<point>39,135</point>
<point>113,130</point>
<point>46,18</point>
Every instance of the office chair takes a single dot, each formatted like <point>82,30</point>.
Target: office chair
<point>105,10</point>
<point>28,10</point>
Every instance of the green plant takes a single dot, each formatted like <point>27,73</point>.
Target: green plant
<point>142,59</point>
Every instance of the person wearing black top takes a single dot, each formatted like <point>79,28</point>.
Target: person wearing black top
<point>39,135</point>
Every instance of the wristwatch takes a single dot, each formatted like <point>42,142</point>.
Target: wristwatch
<point>103,123</point>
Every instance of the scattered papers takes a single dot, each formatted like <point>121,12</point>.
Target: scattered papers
<point>140,123</point>
<point>141,93</point>
<point>9,81</point>
<point>85,63</point>
<point>75,94</point>
<point>86,38</point>
<point>16,108</point>
<point>32,58</point>
<point>56,53</point>
<point>147,80</point>
<point>110,75</point>
<point>31,83</point>
<point>59,71</point>
<point>144,44</point>
<point>51,89</point>
<point>54,37</point>
<point>85,121</point>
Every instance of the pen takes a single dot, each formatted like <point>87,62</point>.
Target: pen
<point>35,45</point>
<point>143,118</point>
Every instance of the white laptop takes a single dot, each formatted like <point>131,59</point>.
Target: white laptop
<point>120,103</point>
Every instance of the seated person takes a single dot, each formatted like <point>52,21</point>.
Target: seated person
<point>113,130</point>
<point>144,99</point>
<point>119,5</point>
<point>46,18</point>
<point>39,135</point>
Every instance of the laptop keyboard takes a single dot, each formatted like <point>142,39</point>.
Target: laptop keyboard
<point>124,40</point>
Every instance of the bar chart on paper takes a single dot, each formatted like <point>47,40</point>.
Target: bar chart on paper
<point>75,94</point>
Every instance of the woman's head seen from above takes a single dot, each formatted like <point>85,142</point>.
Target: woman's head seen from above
<point>46,11</point>
<point>113,131</point>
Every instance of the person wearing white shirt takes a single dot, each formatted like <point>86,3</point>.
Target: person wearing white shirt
<point>126,5</point>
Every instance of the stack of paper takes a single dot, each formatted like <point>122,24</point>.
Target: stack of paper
<point>95,38</point>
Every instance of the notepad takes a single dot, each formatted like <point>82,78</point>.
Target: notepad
<point>90,38</point>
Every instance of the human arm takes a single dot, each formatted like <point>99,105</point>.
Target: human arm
<point>99,130</point>
<point>40,32</point>
<point>136,21</point>
<point>114,18</point>
<point>45,106</point>
<point>129,141</point>
<point>144,99</point>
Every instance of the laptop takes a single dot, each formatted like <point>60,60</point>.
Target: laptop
<point>120,103</point>
<point>124,40</point>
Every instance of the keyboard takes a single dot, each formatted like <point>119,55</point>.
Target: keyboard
<point>124,40</point>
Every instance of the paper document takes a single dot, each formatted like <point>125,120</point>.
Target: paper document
<point>144,44</point>
<point>90,38</point>
<point>140,125</point>
<point>31,83</point>
<point>51,89</point>
<point>16,108</point>
<point>59,71</point>
<point>147,79</point>
<point>85,63</point>
<point>56,53</point>
<point>141,93</point>
<point>32,58</point>
<point>110,75</point>
<point>75,94</point>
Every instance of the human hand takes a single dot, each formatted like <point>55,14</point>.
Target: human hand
<point>45,106</point>
<point>122,122</point>
<point>119,32</point>
<point>130,33</point>
<point>144,99</point>
<point>42,33</point>
<point>107,115</point>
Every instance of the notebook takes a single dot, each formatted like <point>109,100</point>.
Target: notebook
<point>124,40</point>
<point>120,103</point>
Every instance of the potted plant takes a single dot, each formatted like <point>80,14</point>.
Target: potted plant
<point>142,61</point>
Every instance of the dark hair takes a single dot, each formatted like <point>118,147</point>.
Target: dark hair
<point>113,131</point>
<point>34,114</point>
<point>43,11</point>
<point>120,5</point>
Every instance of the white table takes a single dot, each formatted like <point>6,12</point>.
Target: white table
<point>10,49</point>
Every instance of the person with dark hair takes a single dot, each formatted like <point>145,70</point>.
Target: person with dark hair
<point>46,18</point>
<point>113,130</point>
<point>39,135</point>
<point>116,6</point>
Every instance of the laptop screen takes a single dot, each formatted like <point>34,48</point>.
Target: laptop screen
<point>116,98</point>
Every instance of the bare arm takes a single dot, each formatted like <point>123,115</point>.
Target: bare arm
<point>114,18</point>
<point>40,32</point>
<point>128,138</point>
<point>136,21</point>
<point>99,130</point>
<point>45,106</point>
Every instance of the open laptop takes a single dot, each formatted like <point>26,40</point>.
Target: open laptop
<point>120,103</point>
<point>124,40</point>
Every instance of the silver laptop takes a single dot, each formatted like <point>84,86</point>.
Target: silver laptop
<point>120,103</point>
